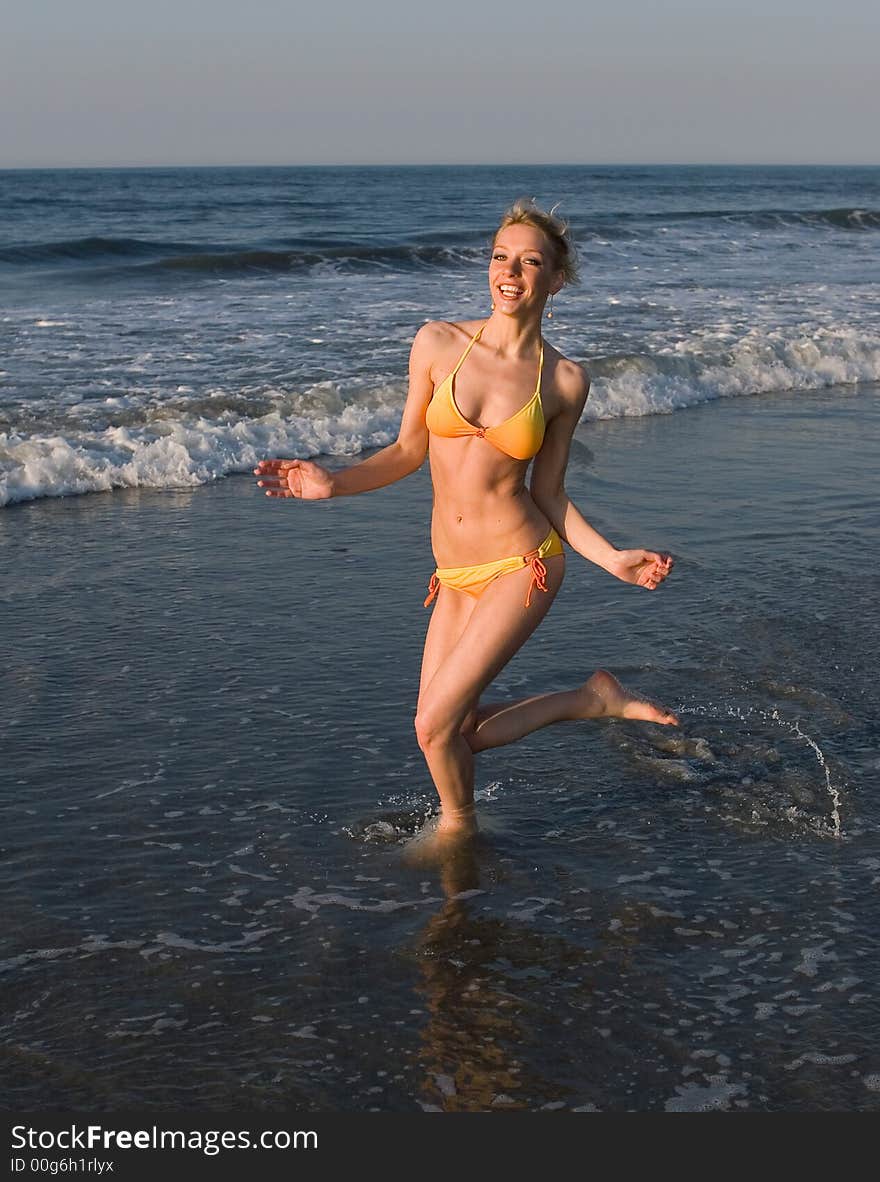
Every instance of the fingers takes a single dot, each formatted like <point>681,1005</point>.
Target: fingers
<point>652,578</point>
<point>655,569</point>
<point>279,487</point>
<point>654,556</point>
<point>276,477</point>
<point>276,467</point>
<point>276,488</point>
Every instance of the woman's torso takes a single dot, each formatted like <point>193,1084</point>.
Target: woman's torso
<point>482,408</point>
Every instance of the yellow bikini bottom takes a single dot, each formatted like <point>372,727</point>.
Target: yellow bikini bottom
<point>475,579</point>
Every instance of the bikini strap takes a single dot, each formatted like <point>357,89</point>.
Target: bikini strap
<point>470,346</point>
<point>540,366</point>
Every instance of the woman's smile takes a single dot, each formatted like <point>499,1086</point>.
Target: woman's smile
<point>521,268</point>
<point>509,292</point>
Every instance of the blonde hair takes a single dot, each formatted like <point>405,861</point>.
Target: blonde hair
<point>526,212</point>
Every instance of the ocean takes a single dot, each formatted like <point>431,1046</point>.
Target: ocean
<point>208,771</point>
<point>164,328</point>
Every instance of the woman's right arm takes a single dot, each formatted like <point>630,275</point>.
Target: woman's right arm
<point>308,481</point>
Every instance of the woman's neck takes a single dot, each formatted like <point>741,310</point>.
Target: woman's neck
<point>511,336</point>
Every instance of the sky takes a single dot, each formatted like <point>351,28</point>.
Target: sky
<point>176,82</point>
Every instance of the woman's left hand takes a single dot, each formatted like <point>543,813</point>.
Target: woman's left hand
<point>643,568</point>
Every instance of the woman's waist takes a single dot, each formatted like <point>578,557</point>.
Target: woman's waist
<point>470,539</point>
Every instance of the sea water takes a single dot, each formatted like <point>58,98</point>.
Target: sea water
<point>162,328</point>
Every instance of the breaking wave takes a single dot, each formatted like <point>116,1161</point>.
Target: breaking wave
<point>191,440</point>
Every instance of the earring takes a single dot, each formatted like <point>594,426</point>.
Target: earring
<point>493,305</point>
<point>550,313</point>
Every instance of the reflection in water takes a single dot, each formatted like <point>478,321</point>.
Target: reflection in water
<point>477,1022</point>
<point>466,1044</point>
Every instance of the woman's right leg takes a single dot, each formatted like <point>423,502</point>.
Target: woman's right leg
<point>498,625</point>
<point>449,618</point>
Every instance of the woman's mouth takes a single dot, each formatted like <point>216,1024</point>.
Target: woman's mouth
<point>509,291</point>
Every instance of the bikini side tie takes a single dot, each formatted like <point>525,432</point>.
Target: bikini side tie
<point>539,575</point>
<point>433,588</point>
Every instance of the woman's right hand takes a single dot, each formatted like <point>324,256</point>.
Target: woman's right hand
<point>294,478</point>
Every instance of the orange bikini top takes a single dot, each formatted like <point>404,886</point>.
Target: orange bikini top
<point>520,436</point>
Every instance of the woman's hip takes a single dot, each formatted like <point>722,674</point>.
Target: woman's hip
<point>474,579</point>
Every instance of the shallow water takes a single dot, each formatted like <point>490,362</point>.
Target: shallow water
<point>210,777</point>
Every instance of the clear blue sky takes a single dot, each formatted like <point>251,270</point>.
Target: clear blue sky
<point>105,82</point>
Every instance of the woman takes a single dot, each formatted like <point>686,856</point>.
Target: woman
<point>485,399</point>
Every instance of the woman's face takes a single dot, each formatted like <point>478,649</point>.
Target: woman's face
<point>522,270</point>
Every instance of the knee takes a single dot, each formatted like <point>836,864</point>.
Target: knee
<point>432,729</point>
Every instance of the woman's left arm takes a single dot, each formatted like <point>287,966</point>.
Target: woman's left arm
<point>644,568</point>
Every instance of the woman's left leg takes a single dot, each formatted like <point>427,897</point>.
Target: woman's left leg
<point>602,696</point>
<point>498,627</point>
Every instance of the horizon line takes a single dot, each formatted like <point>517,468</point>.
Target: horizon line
<point>444,164</point>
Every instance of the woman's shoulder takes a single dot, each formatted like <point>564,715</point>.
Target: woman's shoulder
<point>438,342</point>
<point>442,332</point>
<point>571,380</point>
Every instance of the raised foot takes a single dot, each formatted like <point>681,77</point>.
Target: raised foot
<point>605,697</point>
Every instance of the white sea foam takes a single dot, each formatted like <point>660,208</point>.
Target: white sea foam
<point>176,454</point>
<point>712,365</point>
<point>189,440</point>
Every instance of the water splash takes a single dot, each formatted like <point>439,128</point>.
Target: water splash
<point>831,790</point>
<point>489,792</point>
<point>392,827</point>
<point>794,728</point>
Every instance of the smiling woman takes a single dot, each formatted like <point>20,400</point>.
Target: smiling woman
<point>525,212</point>
<point>486,399</point>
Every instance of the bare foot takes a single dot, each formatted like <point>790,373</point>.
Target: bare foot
<point>438,841</point>
<point>605,697</point>
<point>456,824</point>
